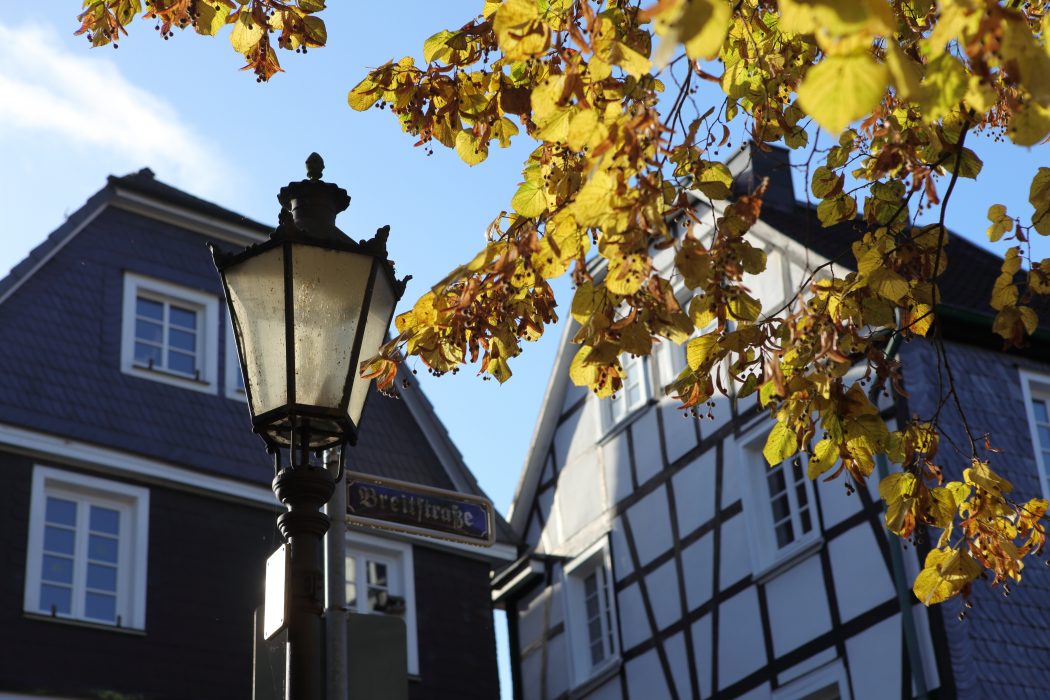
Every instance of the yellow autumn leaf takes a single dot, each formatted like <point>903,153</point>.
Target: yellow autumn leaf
<point>1039,196</point>
<point>781,444</point>
<point>843,88</point>
<point>520,31</point>
<point>594,199</point>
<point>700,350</point>
<point>1001,223</point>
<point>825,455</point>
<point>470,149</point>
<point>246,32</point>
<point>945,573</point>
<point>529,200</point>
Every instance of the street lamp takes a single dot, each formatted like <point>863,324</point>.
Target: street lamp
<point>307,306</point>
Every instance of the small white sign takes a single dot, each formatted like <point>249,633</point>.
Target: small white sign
<point>274,609</point>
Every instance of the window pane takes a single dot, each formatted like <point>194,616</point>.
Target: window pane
<point>57,569</point>
<point>807,524</point>
<point>102,548</point>
<point>179,362</point>
<point>61,512</point>
<point>183,340</point>
<point>184,318</point>
<point>105,520</point>
<point>59,597</point>
<point>597,653</point>
<point>781,508</point>
<point>1044,436</point>
<point>149,331</point>
<point>149,308</point>
<point>148,355</point>
<point>58,540</point>
<point>102,577</point>
<point>800,493</point>
<point>1039,406</point>
<point>785,534</point>
<point>100,606</point>
<point>377,574</point>
<point>777,484</point>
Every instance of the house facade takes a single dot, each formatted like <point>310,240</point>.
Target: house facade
<point>666,559</point>
<point>137,514</point>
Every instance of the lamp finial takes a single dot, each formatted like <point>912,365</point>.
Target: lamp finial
<point>314,166</point>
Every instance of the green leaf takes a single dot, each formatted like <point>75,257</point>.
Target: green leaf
<point>781,444</point>
<point>364,95</point>
<point>435,48</point>
<point>826,183</point>
<point>211,17</point>
<point>841,89</point>
<point>529,200</point>
<point>714,180</point>
<point>836,210</point>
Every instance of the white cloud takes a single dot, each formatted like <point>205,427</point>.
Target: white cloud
<point>48,91</point>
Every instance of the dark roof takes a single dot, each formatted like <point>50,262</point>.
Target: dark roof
<point>144,182</point>
<point>60,370</point>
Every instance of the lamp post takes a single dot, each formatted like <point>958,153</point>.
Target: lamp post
<point>307,306</point>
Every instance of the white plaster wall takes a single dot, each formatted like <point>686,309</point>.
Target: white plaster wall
<point>579,496</point>
<point>694,493</point>
<point>662,584</point>
<point>645,433</point>
<point>621,556</point>
<point>616,461</point>
<point>645,678</point>
<point>610,690</point>
<point>861,578</point>
<point>679,430</point>
<point>634,626</point>
<point>875,661</point>
<point>798,605</point>
<point>557,666</point>
<point>735,554</point>
<point>530,621</point>
<point>802,668</point>
<point>703,653</point>
<point>697,562</point>
<point>835,505</point>
<point>741,649</point>
<point>651,525</point>
<point>674,647</point>
<point>531,667</point>
<point>731,472</point>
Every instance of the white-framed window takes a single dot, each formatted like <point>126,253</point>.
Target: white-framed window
<point>234,379</point>
<point>779,504</point>
<point>825,683</point>
<point>634,393</point>
<point>590,613</point>
<point>1036,390</point>
<point>87,550</point>
<point>169,333</point>
<point>380,580</point>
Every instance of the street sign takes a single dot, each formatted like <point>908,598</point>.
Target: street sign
<point>419,510</point>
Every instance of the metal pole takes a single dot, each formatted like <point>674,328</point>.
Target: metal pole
<point>304,489</point>
<point>335,587</point>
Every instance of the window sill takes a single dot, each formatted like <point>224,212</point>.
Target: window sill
<point>102,627</point>
<point>782,561</point>
<point>606,671</point>
<point>173,378</point>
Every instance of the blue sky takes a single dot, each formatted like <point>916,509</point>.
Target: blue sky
<point>73,115</point>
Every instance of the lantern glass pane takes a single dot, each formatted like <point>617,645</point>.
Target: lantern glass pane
<point>329,288</point>
<point>379,313</point>
<point>256,298</point>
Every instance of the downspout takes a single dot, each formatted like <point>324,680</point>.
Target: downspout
<point>911,635</point>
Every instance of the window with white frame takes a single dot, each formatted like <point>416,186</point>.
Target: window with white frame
<point>590,613</point>
<point>86,556</point>
<point>169,333</point>
<point>825,683</point>
<point>779,505</point>
<point>1037,404</point>
<point>380,581</point>
<point>632,395</point>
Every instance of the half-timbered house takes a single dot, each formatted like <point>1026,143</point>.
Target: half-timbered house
<point>666,559</point>
<point>136,512</point>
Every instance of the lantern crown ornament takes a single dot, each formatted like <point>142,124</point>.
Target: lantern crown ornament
<point>308,305</point>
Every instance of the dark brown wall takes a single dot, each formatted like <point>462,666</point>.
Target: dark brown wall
<point>457,641</point>
<point>206,566</point>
